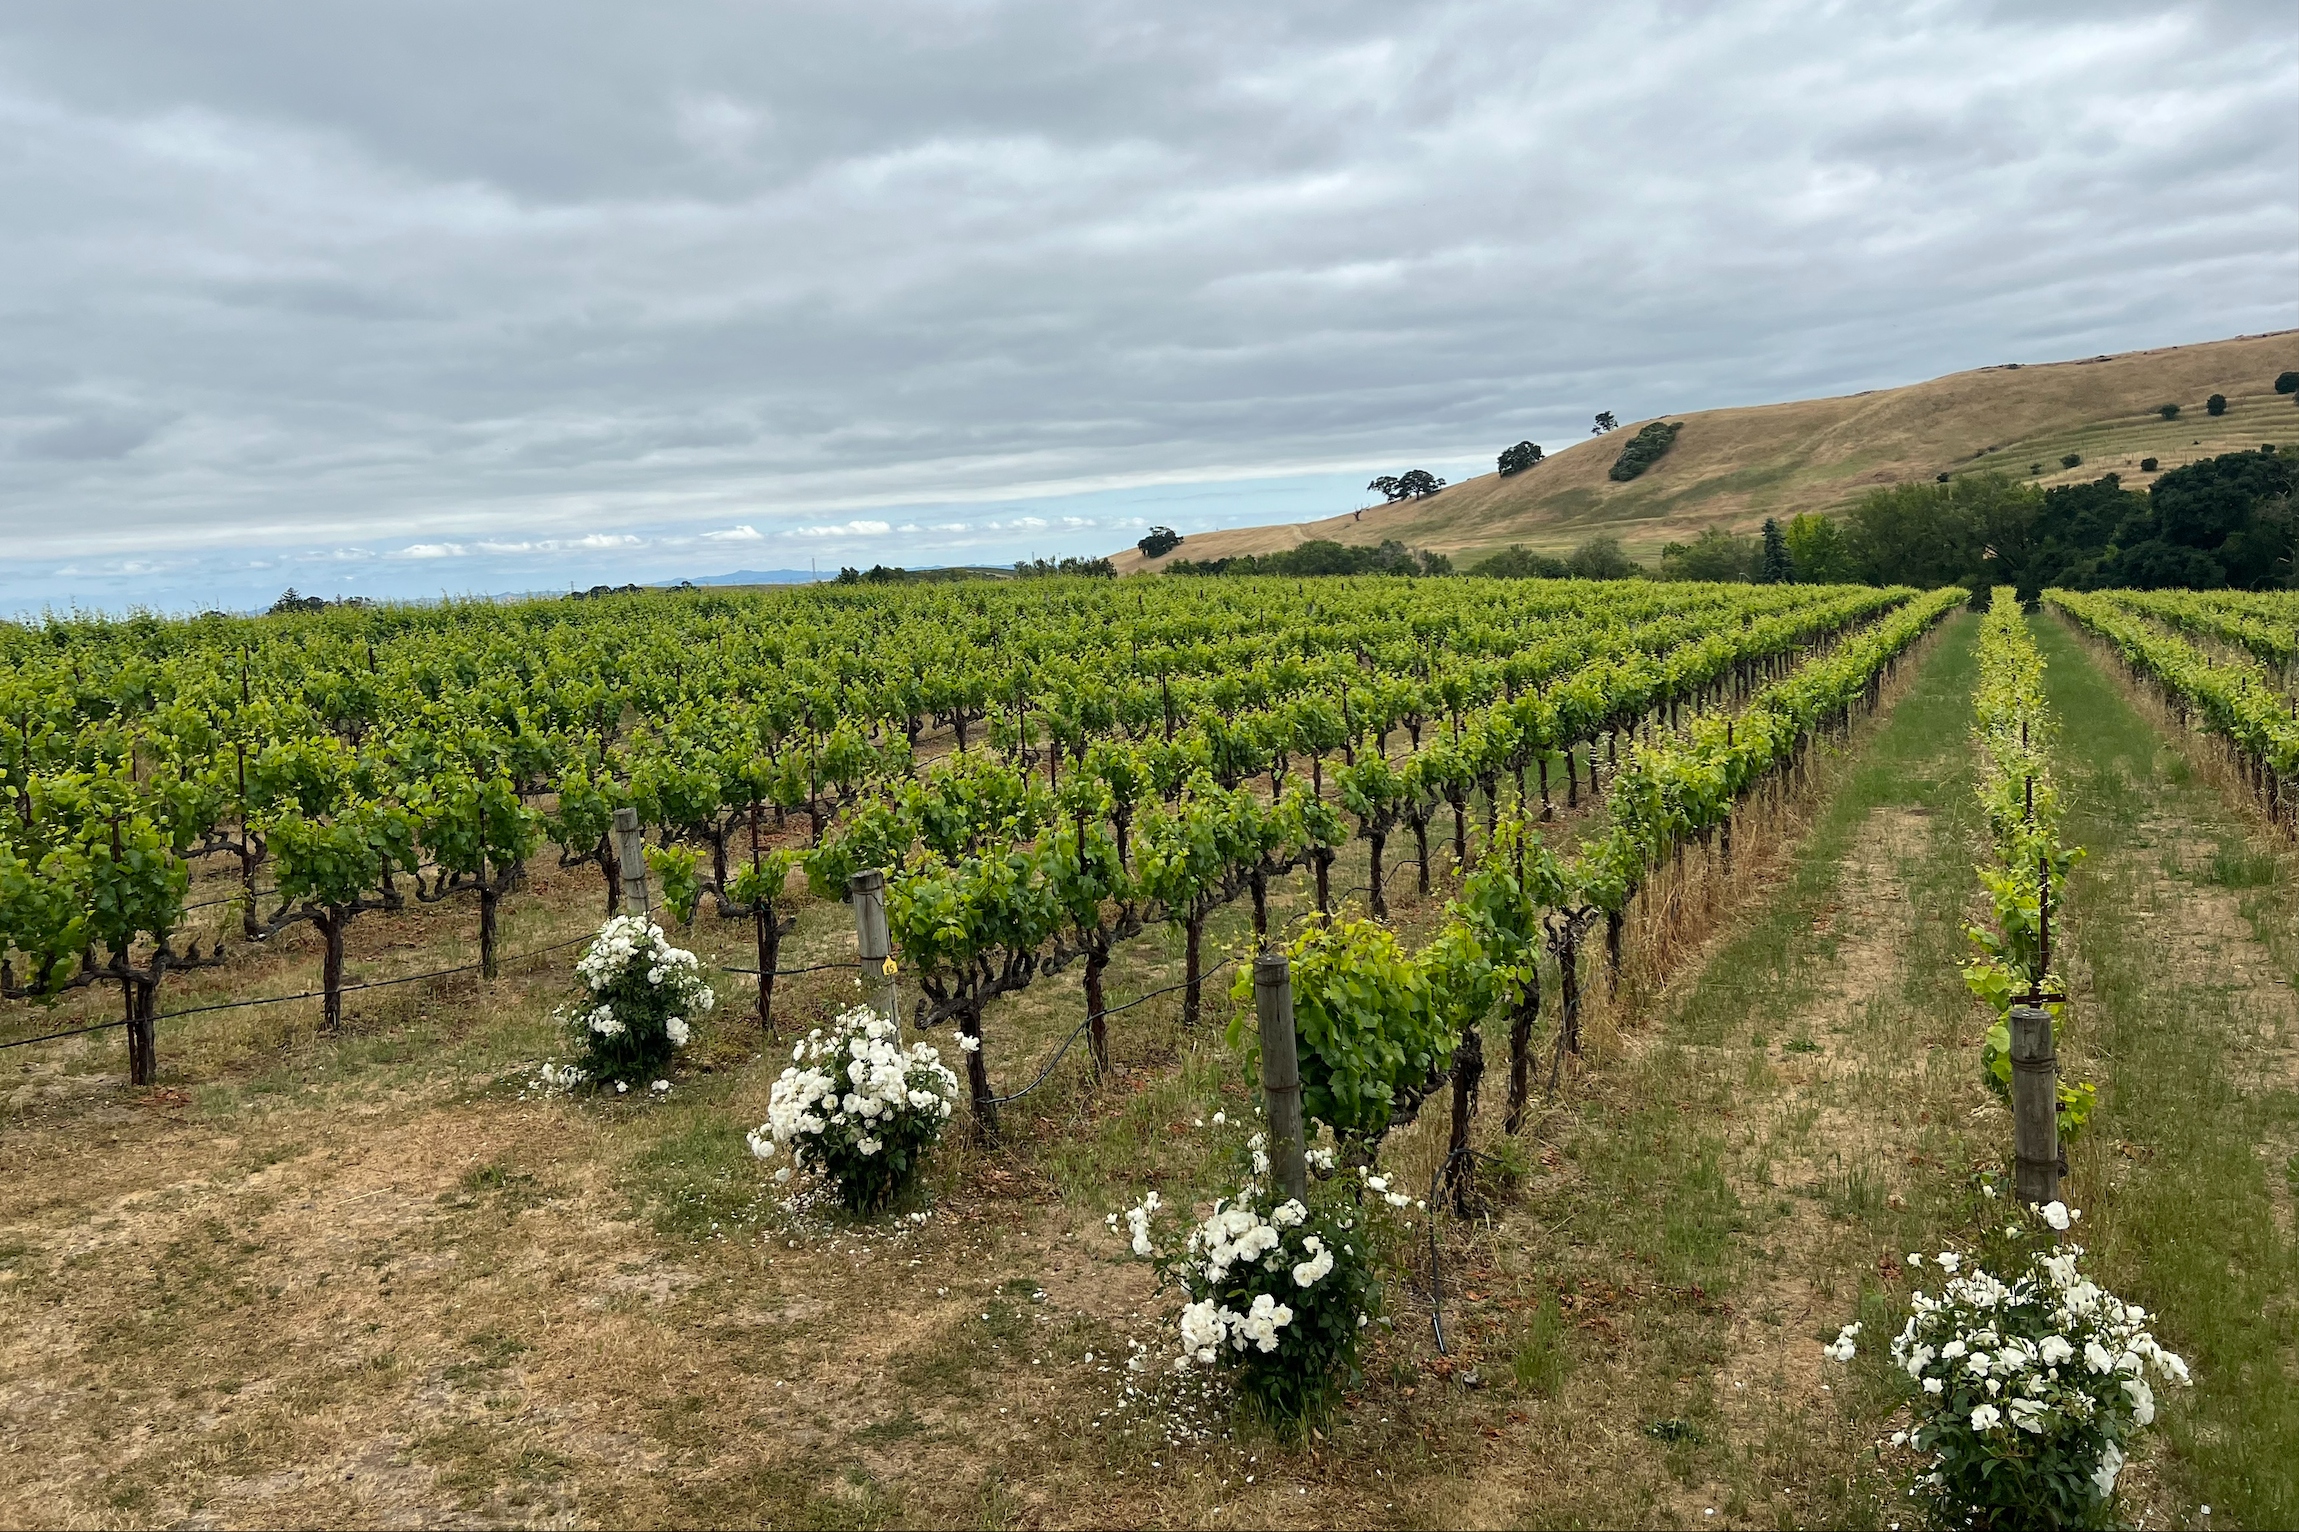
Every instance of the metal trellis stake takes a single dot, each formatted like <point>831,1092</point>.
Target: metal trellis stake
<point>1280,1071</point>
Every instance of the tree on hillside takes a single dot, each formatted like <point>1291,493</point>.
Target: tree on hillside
<point>1776,566</point>
<point>1160,542</point>
<point>2072,460</point>
<point>2287,382</point>
<point>1644,449</point>
<point>1520,457</point>
<point>1605,422</point>
<point>1389,487</point>
<point>2215,405</point>
<point>1419,483</point>
<point>2168,411</point>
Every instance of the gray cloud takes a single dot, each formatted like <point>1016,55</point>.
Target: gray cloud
<point>517,276</point>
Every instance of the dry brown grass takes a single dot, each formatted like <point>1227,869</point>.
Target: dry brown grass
<point>1734,467</point>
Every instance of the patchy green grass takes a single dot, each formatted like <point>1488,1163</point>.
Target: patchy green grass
<point>2187,932</point>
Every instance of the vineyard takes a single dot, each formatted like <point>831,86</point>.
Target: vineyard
<point>1167,896</point>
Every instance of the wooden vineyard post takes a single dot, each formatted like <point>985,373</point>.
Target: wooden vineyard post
<point>631,852</point>
<point>2035,1106</point>
<point>868,891</point>
<point>1280,1072</point>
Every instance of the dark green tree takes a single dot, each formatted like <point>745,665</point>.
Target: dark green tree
<point>1778,566</point>
<point>2215,405</point>
<point>1520,457</point>
<point>1644,449</point>
<point>1160,542</point>
<point>2168,411</point>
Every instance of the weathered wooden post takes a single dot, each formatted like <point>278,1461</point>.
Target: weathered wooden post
<point>867,892</point>
<point>631,852</point>
<point>1280,1071</point>
<point>2035,1106</point>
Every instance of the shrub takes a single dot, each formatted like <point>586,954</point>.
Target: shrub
<point>2025,1393</point>
<point>1277,1291</point>
<point>2215,405</point>
<point>2072,460</point>
<point>645,998</point>
<point>2287,382</point>
<point>2168,411</point>
<point>857,1109</point>
<point>2147,465</point>
<point>1602,558</point>
<point>1517,562</point>
<point>1645,449</point>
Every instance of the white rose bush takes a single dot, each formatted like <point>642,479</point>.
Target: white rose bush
<point>644,1000</point>
<point>1277,1292</point>
<point>2025,1393</point>
<point>857,1109</point>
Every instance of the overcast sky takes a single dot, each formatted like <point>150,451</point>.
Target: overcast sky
<point>478,297</point>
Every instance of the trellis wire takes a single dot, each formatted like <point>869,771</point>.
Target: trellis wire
<point>309,994</point>
<point>788,973</point>
<point>1080,1029</point>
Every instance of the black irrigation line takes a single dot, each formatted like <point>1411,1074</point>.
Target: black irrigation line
<point>309,994</point>
<point>1080,1029</point>
<point>791,973</point>
<point>206,904</point>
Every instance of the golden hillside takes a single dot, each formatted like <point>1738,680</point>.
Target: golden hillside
<point>1735,467</point>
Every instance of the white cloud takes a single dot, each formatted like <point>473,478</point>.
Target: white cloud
<point>433,551</point>
<point>741,534</point>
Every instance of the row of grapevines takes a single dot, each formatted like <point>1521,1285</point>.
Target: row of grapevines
<point>1379,1026</point>
<point>2269,636</point>
<point>2013,731</point>
<point>2234,699</point>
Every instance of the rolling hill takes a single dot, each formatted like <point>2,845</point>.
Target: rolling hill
<point>1734,467</point>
